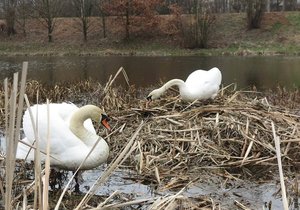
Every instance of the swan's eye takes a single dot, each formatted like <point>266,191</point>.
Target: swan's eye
<point>104,117</point>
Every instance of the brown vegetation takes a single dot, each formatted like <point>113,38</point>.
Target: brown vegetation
<point>230,136</point>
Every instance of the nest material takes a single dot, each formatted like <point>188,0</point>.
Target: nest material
<point>180,140</point>
<point>232,132</point>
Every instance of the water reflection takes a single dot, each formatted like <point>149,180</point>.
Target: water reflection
<point>266,72</point>
<point>121,180</point>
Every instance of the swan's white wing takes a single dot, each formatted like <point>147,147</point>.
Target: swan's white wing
<point>201,77</point>
<point>203,84</point>
<point>60,135</point>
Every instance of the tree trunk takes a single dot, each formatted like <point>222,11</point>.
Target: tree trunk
<point>85,28</point>
<point>197,23</point>
<point>255,11</point>
<point>104,26</point>
<point>268,6</point>
<point>50,29</point>
<point>127,20</point>
<point>50,39</point>
<point>10,20</point>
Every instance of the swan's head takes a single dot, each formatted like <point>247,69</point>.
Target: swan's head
<point>98,115</point>
<point>155,94</point>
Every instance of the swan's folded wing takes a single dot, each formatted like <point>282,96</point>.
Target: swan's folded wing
<point>202,77</point>
<point>203,84</point>
<point>60,135</point>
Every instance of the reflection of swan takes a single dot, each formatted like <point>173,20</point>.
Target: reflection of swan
<point>72,135</point>
<point>200,84</point>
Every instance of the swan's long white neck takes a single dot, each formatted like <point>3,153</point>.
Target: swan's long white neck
<point>158,92</point>
<point>180,83</point>
<point>101,151</point>
<point>77,127</point>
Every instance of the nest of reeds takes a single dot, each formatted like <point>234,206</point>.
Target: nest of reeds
<point>232,132</point>
<point>179,140</point>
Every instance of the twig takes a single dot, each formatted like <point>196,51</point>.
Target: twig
<point>240,205</point>
<point>278,153</point>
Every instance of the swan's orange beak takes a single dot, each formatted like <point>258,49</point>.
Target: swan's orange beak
<point>149,99</point>
<point>104,122</point>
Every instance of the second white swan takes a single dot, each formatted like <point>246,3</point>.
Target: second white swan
<point>200,84</point>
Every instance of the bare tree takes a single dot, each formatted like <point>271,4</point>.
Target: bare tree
<point>84,11</point>
<point>196,32</point>
<point>204,21</point>
<point>255,11</point>
<point>103,10</point>
<point>48,11</point>
<point>283,5</point>
<point>10,16</point>
<point>268,5</point>
<point>127,15</point>
<point>23,12</point>
<point>289,5</point>
<point>138,16</point>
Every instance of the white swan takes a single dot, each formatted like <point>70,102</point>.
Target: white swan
<point>200,84</point>
<point>72,135</point>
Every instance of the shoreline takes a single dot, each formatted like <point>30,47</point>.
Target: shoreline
<point>77,51</point>
<point>141,48</point>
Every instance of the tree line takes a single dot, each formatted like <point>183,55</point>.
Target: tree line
<point>141,13</point>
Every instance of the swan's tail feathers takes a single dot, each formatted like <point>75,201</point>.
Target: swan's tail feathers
<point>24,151</point>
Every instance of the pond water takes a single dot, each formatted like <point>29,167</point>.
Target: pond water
<point>263,72</point>
<point>255,195</point>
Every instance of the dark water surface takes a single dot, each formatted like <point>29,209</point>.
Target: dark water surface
<point>263,72</point>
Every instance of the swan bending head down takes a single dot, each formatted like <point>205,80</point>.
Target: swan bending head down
<point>155,94</point>
<point>200,84</point>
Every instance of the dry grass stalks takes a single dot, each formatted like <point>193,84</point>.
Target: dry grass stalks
<point>13,114</point>
<point>278,154</point>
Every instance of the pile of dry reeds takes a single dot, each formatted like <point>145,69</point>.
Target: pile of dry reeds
<point>232,132</point>
<point>171,142</point>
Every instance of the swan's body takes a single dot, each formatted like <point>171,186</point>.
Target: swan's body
<point>72,135</point>
<point>200,84</point>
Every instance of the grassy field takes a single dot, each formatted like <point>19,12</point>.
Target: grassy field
<point>279,35</point>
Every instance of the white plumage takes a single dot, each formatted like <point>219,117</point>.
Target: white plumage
<point>72,135</point>
<point>200,84</point>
